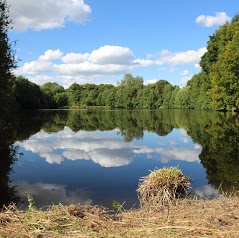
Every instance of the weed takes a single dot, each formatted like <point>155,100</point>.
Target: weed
<point>30,201</point>
<point>117,206</point>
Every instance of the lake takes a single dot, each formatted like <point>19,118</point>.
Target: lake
<point>96,157</point>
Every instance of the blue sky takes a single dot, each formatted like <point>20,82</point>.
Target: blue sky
<point>98,41</point>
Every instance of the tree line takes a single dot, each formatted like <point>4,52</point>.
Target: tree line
<point>215,87</point>
<point>129,93</point>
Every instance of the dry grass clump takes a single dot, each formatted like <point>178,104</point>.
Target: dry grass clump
<point>162,187</point>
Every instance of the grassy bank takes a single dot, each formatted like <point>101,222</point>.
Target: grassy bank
<point>187,218</point>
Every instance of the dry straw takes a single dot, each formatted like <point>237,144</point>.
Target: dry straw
<point>162,187</point>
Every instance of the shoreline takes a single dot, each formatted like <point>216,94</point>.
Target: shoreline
<point>188,218</point>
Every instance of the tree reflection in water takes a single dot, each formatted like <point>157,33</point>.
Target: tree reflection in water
<point>8,155</point>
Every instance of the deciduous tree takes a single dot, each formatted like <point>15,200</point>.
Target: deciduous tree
<point>7,59</point>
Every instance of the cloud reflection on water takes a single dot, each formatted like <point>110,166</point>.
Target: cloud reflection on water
<point>107,151</point>
<point>46,194</point>
<point>207,191</point>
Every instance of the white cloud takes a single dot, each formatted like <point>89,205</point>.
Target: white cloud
<point>39,79</point>
<point>184,80</point>
<point>219,19</point>
<point>171,70</point>
<point>88,68</point>
<point>103,63</point>
<point>183,132</point>
<point>47,14</point>
<point>64,80</point>
<point>184,139</point>
<point>197,66</point>
<point>106,61</point>
<point>144,62</point>
<point>150,81</point>
<point>51,55</point>
<point>185,72</point>
<point>35,67</point>
<point>181,58</point>
<point>149,56</point>
<point>108,55</point>
<point>73,58</point>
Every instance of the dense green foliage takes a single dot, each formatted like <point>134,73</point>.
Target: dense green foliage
<point>24,90</point>
<point>219,80</point>
<point>130,93</point>
<point>7,62</point>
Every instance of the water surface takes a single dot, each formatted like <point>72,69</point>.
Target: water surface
<point>95,157</point>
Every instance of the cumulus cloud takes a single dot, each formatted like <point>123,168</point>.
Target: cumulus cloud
<point>144,62</point>
<point>47,14</point>
<point>73,58</point>
<point>51,55</point>
<point>102,63</point>
<point>112,55</point>
<point>35,67</point>
<point>88,68</point>
<point>181,58</point>
<point>76,67</point>
<point>185,72</point>
<point>219,19</point>
<point>197,66</point>
<point>150,81</point>
<point>184,80</point>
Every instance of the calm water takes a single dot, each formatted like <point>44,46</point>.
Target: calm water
<point>95,157</point>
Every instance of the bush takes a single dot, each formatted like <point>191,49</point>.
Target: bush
<point>163,187</point>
